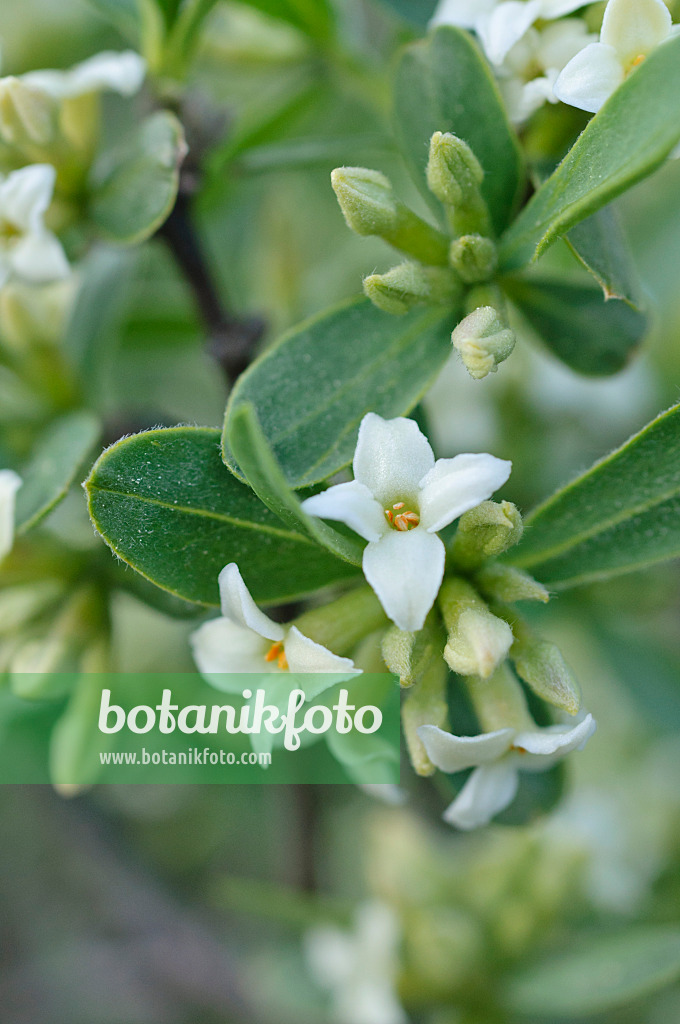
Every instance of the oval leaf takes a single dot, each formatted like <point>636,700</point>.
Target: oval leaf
<point>601,975</point>
<point>588,334</point>
<point>629,138</point>
<point>444,84</point>
<point>59,454</point>
<point>135,186</point>
<point>311,390</point>
<point>623,514</point>
<point>600,245</point>
<point>165,503</point>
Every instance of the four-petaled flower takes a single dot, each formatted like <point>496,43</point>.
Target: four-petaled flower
<point>631,29</point>
<point>399,499</point>
<point>27,249</point>
<point>244,639</point>
<point>498,757</point>
<point>121,72</point>
<point>9,485</point>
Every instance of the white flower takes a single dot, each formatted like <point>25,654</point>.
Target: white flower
<point>498,757</point>
<point>9,485</point>
<point>121,72</point>
<point>27,249</point>
<point>530,69</point>
<point>244,639</point>
<point>359,969</point>
<point>631,29</point>
<point>398,501</point>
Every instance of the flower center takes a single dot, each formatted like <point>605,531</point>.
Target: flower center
<point>276,653</point>
<point>636,62</point>
<point>9,232</point>
<point>400,518</point>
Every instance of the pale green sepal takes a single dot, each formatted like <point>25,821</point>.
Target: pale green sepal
<point>340,626</point>
<point>478,641</point>
<point>474,258</point>
<point>409,285</point>
<point>454,176</point>
<point>425,705</point>
<point>541,665</point>
<point>499,701</point>
<point>505,583</point>
<point>410,655</point>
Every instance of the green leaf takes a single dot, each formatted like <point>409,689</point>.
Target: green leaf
<point>135,186</point>
<point>630,137</point>
<point>602,974</point>
<point>264,475</point>
<point>311,389</point>
<point>58,456</point>
<point>589,334</point>
<point>600,245</point>
<point>418,12</point>
<point>121,13</point>
<point>444,84</point>
<point>313,17</point>
<point>622,514</point>
<point>164,502</point>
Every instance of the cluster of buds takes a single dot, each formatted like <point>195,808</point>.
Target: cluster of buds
<point>454,269</point>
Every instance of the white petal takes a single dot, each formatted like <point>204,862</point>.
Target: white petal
<point>558,43</point>
<point>461,13</point>
<point>454,486</point>
<point>9,485</point>
<point>488,790</point>
<point>26,194</point>
<point>590,77</point>
<point>557,8</point>
<point>524,99</point>
<point>454,753</point>
<point>239,607</point>
<point>498,32</point>
<point>39,258</point>
<point>304,655</point>
<point>350,503</point>
<point>221,646</point>
<point>635,27</point>
<point>405,571</point>
<point>122,72</point>
<point>546,747</point>
<point>391,457</point>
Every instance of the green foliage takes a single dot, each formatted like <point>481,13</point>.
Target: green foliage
<point>444,84</point>
<point>628,139</point>
<point>135,187</point>
<point>604,973</point>
<point>589,334</point>
<point>311,390</point>
<point>600,244</point>
<point>166,505</point>
<point>621,515</point>
<point>313,17</point>
<point>123,14</point>
<point>59,454</point>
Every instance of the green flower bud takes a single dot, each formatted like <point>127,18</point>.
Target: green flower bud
<point>75,741</point>
<point>505,583</point>
<point>474,258</point>
<point>454,176</point>
<point>340,626</point>
<point>370,207</point>
<point>541,665</point>
<point>485,532</point>
<point>35,314</point>
<point>28,117</point>
<point>425,705</point>
<point>410,284</point>
<point>410,655</point>
<point>478,641</point>
<point>484,340</point>
<point>499,701</point>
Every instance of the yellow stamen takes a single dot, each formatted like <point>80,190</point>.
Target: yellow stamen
<point>282,661</point>
<point>399,505</point>
<point>638,60</point>
<point>274,652</point>
<point>406,521</point>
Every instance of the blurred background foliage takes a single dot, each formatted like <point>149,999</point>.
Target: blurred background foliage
<point>132,905</point>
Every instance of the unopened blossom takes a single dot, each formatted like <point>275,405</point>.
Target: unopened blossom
<point>631,29</point>
<point>121,72</point>
<point>399,498</point>
<point>498,757</point>
<point>28,250</point>
<point>359,969</point>
<point>9,485</point>
<point>244,639</point>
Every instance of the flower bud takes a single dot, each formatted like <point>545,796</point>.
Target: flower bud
<point>410,655</point>
<point>36,314</point>
<point>505,583</point>
<point>28,117</point>
<point>484,341</point>
<point>474,258</point>
<point>541,665</point>
<point>425,705</point>
<point>409,284</point>
<point>478,641</point>
<point>340,626</point>
<point>370,207</point>
<point>75,742</point>
<point>454,176</point>
<point>499,701</point>
<point>486,532</point>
